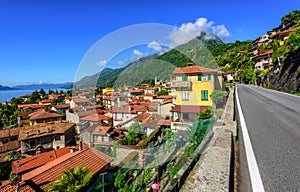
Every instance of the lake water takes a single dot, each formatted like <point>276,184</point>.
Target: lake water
<point>7,95</point>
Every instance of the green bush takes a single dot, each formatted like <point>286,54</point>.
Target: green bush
<point>174,171</point>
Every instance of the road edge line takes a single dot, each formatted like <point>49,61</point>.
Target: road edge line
<point>256,181</point>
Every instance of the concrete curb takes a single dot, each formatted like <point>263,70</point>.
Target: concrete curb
<point>212,171</point>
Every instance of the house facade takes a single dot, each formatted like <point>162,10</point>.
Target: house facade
<point>44,137</point>
<point>194,86</point>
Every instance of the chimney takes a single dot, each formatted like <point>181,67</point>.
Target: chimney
<point>190,64</point>
<point>80,146</point>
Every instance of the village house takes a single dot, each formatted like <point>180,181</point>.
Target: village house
<point>8,141</point>
<point>193,85</point>
<point>108,91</point>
<point>121,115</point>
<point>27,164</point>
<point>46,136</point>
<point>41,178</point>
<point>46,102</point>
<point>79,102</point>
<point>29,107</point>
<point>43,116</point>
<point>57,97</point>
<point>96,118</point>
<point>60,108</point>
<point>263,60</point>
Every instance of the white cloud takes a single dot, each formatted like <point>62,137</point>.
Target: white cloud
<point>156,46</point>
<point>102,63</point>
<point>189,30</point>
<point>138,53</point>
<point>120,63</point>
<point>220,30</point>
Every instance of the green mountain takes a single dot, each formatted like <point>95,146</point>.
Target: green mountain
<point>157,66</point>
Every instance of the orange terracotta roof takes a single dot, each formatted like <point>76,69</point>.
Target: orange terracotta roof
<point>62,106</point>
<point>35,161</point>
<point>153,107</point>
<point>122,109</point>
<point>93,88</point>
<point>193,69</point>
<point>46,101</point>
<point>43,114</point>
<point>30,106</point>
<point>110,98</point>
<point>142,117</point>
<point>101,130</point>
<point>94,107</point>
<point>286,31</point>
<point>165,97</point>
<point>92,159</point>
<point>137,91</point>
<point>167,101</point>
<point>138,108</point>
<point>269,52</point>
<point>188,108</point>
<point>153,121</point>
<point>150,95</point>
<point>5,133</point>
<point>81,100</point>
<point>44,129</point>
<point>95,117</point>
<point>9,146</point>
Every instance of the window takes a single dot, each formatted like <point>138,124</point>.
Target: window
<point>185,116</point>
<point>184,78</point>
<point>185,95</point>
<point>204,78</point>
<point>199,77</point>
<point>57,138</point>
<point>204,95</point>
<point>209,77</point>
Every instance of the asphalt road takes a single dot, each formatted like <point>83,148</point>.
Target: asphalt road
<point>273,122</point>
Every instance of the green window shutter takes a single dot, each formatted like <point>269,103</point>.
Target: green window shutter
<point>209,77</point>
<point>184,78</point>
<point>199,77</point>
<point>204,95</point>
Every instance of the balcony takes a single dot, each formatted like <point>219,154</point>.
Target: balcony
<point>181,85</point>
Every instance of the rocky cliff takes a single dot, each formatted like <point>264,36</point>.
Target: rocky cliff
<point>288,78</point>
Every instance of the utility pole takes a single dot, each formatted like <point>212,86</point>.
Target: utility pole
<point>103,185</point>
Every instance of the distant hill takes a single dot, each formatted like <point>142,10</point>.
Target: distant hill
<point>66,85</point>
<point>7,88</point>
<point>159,66</point>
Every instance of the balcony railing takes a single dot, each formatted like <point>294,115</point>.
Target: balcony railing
<point>181,85</point>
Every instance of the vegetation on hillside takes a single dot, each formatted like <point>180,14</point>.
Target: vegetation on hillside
<point>294,15</point>
<point>291,45</point>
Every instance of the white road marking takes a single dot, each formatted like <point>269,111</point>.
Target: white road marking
<point>256,182</point>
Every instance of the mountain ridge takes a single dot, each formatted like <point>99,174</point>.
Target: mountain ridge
<point>156,66</point>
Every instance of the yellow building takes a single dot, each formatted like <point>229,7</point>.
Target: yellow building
<point>108,91</point>
<point>194,85</point>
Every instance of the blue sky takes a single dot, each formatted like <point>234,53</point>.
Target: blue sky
<point>47,40</point>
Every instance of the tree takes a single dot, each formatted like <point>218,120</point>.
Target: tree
<point>162,92</point>
<point>134,135</point>
<point>12,155</point>
<point>217,97</point>
<point>42,92</point>
<point>34,98</point>
<point>205,114</point>
<point>120,180</point>
<point>72,180</point>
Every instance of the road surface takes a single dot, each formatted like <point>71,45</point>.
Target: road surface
<point>272,120</point>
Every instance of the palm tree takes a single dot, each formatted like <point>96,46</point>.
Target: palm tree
<point>72,180</point>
